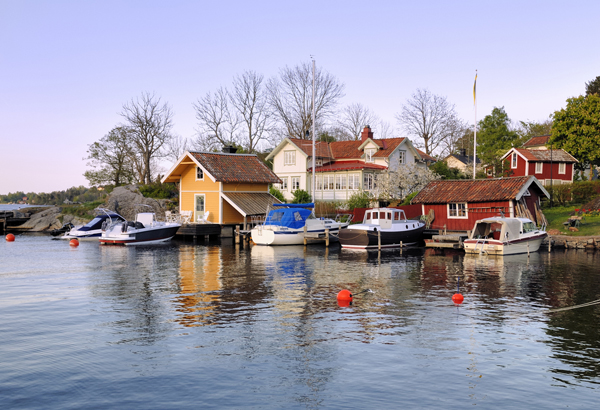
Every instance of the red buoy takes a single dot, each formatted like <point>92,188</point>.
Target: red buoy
<point>10,237</point>
<point>74,242</point>
<point>344,298</point>
<point>457,298</point>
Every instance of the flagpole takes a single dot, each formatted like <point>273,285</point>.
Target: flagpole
<point>475,126</point>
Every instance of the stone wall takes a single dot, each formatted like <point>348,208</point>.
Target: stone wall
<point>573,242</point>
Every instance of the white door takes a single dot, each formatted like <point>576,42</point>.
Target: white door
<point>198,206</point>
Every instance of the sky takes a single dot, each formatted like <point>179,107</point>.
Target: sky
<point>68,67</point>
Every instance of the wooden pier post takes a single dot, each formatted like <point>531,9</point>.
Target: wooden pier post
<point>379,239</point>
<point>237,234</point>
<point>327,237</point>
<point>305,240</point>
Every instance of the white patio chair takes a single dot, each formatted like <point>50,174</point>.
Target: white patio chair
<point>203,218</point>
<point>186,216</point>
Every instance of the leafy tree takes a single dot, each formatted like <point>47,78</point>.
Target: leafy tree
<point>529,129</point>
<point>301,197</point>
<point>276,193</point>
<point>112,159</point>
<point>360,199</point>
<point>593,87</point>
<point>442,169</point>
<point>577,129</point>
<point>405,180</point>
<point>495,136</point>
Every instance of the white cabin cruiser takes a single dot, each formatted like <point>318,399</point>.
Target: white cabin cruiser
<point>504,236</point>
<point>145,230</point>
<point>286,223</point>
<point>92,230</point>
<point>382,228</point>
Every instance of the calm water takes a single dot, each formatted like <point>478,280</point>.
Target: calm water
<point>192,326</point>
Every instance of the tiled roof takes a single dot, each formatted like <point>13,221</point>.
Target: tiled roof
<point>536,141</point>
<point>321,148</point>
<point>346,149</point>
<point>472,190</point>
<point>347,165</point>
<point>425,156</point>
<point>543,155</point>
<point>387,145</point>
<point>235,167</point>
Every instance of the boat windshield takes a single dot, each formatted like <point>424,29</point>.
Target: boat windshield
<point>93,222</point>
<point>529,227</point>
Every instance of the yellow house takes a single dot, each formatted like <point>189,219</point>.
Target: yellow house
<point>230,188</point>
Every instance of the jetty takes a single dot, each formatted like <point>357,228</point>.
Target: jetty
<point>11,219</point>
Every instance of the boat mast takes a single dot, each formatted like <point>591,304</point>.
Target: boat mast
<point>313,133</point>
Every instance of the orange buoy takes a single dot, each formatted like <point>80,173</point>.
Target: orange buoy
<point>344,294</point>
<point>74,242</point>
<point>10,237</point>
<point>457,298</point>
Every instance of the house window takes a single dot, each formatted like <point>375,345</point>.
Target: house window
<point>340,182</point>
<point>330,182</point>
<point>354,181</point>
<point>402,157</point>
<point>199,174</point>
<point>457,210</point>
<point>369,154</point>
<point>319,183</point>
<point>369,182</point>
<point>562,168</point>
<point>284,183</point>
<point>513,163</point>
<point>295,183</point>
<point>539,166</point>
<point>289,158</point>
<point>319,163</point>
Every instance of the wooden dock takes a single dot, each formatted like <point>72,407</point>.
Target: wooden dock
<point>194,232</point>
<point>11,219</point>
<point>452,241</point>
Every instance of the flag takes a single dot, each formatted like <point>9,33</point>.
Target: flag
<point>474,87</point>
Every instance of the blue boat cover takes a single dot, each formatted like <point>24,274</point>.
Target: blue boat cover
<point>294,218</point>
<point>310,205</point>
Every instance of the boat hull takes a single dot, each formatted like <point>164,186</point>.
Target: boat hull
<point>374,239</point>
<point>273,236</point>
<point>146,236</point>
<point>497,247</point>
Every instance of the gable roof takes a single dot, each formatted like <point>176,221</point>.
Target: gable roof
<point>476,190</point>
<point>224,167</point>
<point>465,159</point>
<point>426,157</point>
<point>537,141</point>
<point>542,155</point>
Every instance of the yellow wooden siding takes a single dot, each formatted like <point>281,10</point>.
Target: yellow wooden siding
<point>190,187</point>
<point>230,214</point>
<point>245,187</point>
<point>189,183</point>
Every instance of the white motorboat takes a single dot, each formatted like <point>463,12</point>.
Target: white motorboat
<point>504,236</point>
<point>382,228</point>
<point>287,223</point>
<point>145,230</point>
<point>93,229</point>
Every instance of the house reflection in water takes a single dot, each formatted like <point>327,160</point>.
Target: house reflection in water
<point>200,270</point>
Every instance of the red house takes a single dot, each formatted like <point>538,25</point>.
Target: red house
<point>457,204</point>
<point>554,165</point>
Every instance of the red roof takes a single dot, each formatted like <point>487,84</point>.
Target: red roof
<point>537,141</point>
<point>235,167</point>
<point>472,190</point>
<point>321,148</point>
<point>543,155</point>
<point>347,165</point>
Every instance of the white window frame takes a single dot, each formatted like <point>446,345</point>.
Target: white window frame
<point>319,181</point>
<point>402,157</point>
<point>539,167</point>
<point>369,154</point>
<point>199,171</point>
<point>455,209</point>
<point>284,183</point>
<point>513,162</point>
<point>369,182</point>
<point>289,157</point>
<point>562,168</point>
<point>340,182</point>
<point>354,182</point>
<point>295,183</point>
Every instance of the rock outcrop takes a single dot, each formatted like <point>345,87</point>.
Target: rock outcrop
<point>128,201</point>
<point>48,219</point>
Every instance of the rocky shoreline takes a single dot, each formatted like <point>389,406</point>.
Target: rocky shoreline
<point>590,243</point>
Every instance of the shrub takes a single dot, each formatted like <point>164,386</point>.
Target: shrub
<point>583,191</point>
<point>360,199</point>
<point>276,193</point>
<point>301,197</point>
<point>409,198</point>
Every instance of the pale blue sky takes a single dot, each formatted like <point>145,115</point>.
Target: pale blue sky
<point>67,67</point>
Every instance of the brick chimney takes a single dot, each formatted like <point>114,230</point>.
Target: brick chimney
<point>366,133</point>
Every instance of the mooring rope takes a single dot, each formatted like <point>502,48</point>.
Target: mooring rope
<point>592,303</point>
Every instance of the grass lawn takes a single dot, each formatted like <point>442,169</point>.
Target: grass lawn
<point>590,225</point>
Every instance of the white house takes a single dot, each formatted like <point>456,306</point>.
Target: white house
<point>342,167</point>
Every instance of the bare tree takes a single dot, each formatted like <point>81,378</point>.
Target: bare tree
<point>290,96</point>
<point>217,121</point>
<point>429,118</point>
<point>250,100</point>
<point>175,147</point>
<point>456,130</point>
<point>149,123</point>
<point>353,120</point>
